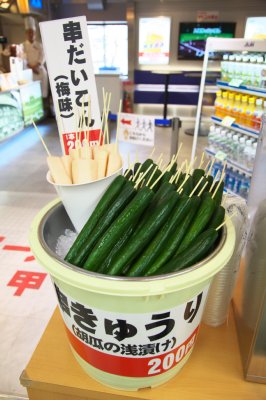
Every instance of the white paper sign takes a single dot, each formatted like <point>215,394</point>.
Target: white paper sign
<point>69,62</point>
<point>228,121</point>
<point>136,129</point>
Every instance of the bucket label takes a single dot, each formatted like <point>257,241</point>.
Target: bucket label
<point>132,345</point>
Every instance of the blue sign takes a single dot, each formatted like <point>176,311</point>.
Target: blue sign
<point>36,3</point>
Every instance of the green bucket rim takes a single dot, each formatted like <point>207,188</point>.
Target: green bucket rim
<point>126,286</point>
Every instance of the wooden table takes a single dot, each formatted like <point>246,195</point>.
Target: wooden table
<point>214,371</point>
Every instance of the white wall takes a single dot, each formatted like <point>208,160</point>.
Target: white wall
<point>186,11</point>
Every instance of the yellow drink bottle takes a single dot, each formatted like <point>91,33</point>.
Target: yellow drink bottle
<point>218,104</point>
<point>250,112</point>
<point>242,110</point>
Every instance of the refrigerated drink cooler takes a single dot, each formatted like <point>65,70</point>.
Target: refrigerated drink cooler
<point>250,297</point>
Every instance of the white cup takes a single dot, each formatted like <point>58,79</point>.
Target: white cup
<point>80,200</point>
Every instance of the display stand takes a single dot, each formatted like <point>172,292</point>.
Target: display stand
<point>213,371</point>
<point>227,46</point>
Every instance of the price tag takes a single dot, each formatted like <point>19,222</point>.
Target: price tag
<point>228,121</point>
<point>220,155</point>
<point>235,82</point>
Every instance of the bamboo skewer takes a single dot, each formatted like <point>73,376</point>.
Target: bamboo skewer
<point>217,187</point>
<point>182,184</point>
<point>40,136</point>
<point>137,172</point>
<point>159,178</point>
<point>196,187</point>
<point>178,150</point>
<point>152,152</point>
<point>118,123</point>
<point>215,179</point>
<point>152,175</point>
<point>142,176</point>
<point>203,188</point>
<point>201,160</point>
<point>227,218</point>
<point>210,167</point>
<point>207,166</point>
<point>106,111</point>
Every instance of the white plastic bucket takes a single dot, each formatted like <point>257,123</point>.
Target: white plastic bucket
<point>81,199</point>
<point>127,333</point>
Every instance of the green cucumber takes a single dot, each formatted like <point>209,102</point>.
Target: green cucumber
<point>188,186</point>
<point>166,177</point>
<point>127,193</point>
<point>210,181</point>
<point>120,225</point>
<point>141,238</point>
<point>160,241</point>
<point>128,173</point>
<point>219,194</point>
<point>173,168</point>
<point>173,241</point>
<point>106,200</point>
<point>121,242</point>
<point>196,252</point>
<point>217,218</point>
<point>200,221</point>
<point>136,167</point>
<point>197,175</point>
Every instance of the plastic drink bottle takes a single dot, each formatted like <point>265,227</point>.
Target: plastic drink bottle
<point>258,114</point>
<point>231,179</point>
<point>224,68</point>
<point>211,137</point>
<point>236,108</point>
<point>252,155</point>
<point>250,110</point>
<point>235,145</point>
<point>230,104</point>
<point>224,103</point>
<point>241,148</point>
<point>247,153</point>
<point>238,66</point>
<point>252,70</point>
<point>218,104</point>
<point>242,110</point>
<point>245,69</point>
<point>218,138</point>
<point>238,181</point>
<point>258,71</point>
<point>229,139</point>
<point>231,67</point>
<point>245,186</point>
<point>223,140</point>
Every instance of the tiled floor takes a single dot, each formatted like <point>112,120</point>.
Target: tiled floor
<point>23,192</point>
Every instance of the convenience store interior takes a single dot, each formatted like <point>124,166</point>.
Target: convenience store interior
<point>24,189</point>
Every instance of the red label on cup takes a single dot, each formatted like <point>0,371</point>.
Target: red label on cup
<point>132,366</point>
<point>70,138</point>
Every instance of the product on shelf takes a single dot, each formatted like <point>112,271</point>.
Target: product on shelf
<point>258,113</point>
<point>246,110</point>
<point>237,148</point>
<point>248,69</point>
<point>235,181</point>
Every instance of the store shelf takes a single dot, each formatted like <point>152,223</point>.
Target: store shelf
<point>238,128</point>
<point>255,91</point>
<point>231,163</point>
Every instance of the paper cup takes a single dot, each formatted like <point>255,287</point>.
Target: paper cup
<point>80,200</point>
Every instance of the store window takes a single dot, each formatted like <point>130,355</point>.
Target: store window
<point>109,47</point>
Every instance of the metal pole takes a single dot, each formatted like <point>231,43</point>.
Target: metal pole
<point>201,92</point>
